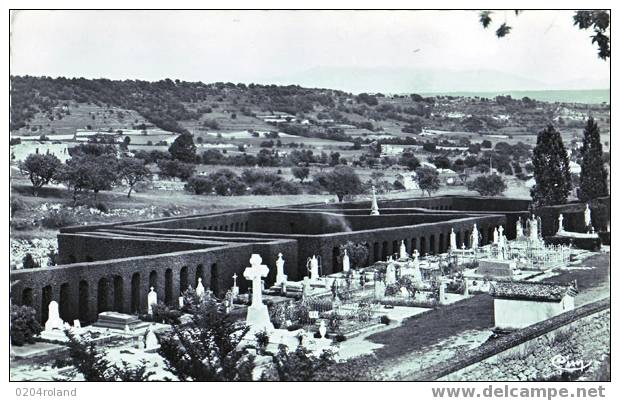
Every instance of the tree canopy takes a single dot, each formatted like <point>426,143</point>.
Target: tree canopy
<point>593,178</point>
<point>551,172</point>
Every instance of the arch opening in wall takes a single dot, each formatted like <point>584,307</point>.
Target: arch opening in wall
<point>423,246</point>
<point>395,247</point>
<point>213,280</point>
<point>441,247</point>
<point>466,239</point>
<point>384,250</point>
<point>458,239</point>
<point>135,293</point>
<point>490,235</point>
<point>27,297</point>
<point>200,274</point>
<point>83,301</point>
<point>184,279</point>
<point>46,298</point>
<point>118,293</point>
<point>72,259</point>
<point>168,296</point>
<point>375,252</point>
<point>64,302</point>
<point>153,281</point>
<point>431,245</point>
<point>414,245</point>
<point>102,295</point>
<point>336,263</point>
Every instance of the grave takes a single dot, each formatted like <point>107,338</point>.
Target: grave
<point>496,267</point>
<point>119,321</point>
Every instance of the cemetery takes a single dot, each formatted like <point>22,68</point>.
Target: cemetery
<point>291,285</point>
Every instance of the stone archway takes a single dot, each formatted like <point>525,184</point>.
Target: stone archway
<point>135,293</point>
<point>46,298</point>
<point>184,279</point>
<point>431,245</point>
<point>213,280</point>
<point>102,295</point>
<point>168,292</point>
<point>27,297</point>
<point>118,294</point>
<point>83,301</point>
<point>65,305</point>
<point>200,274</point>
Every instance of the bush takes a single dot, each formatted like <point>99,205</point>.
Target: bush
<point>385,320</point>
<point>199,185</point>
<point>24,325</point>
<point>29,262</point>
<point>58,219</point>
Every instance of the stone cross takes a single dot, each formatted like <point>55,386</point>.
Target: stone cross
<point>234,280</point>
<point>346,264</point>
<point>587,216</point>
<point>280,276</point>
<point>151,301</point>
<point>560,223</point>
<point>255,273</point>
<point>314,268</point>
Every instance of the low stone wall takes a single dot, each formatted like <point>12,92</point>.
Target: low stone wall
<point>523,342</point>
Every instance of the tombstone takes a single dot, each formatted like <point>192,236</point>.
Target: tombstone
<point>180,302</point>
<point>322,329</point>
<point>346,264</point>
<point>560,224</point>
<point>453,246</point>
<point>374,207</point>
<point>314,268</point>
<point>379,289</point>
<point>390,274</point>
<point>151,301</point>
<point>305,290</point>
<point>495,236</point>
<point>127,330</point>
<point>587,216</point>
<point>442,292</point>
<point>465,287</point>
<point>229,301</point>
<point>475,237</point>
<point>151,343</point>
<point>258,315</point>
<point>533,229</point>
<point>77,324</point>
<point>235,288</point>
<point>519,228</point>
<point>280,276</point>
<point>54,322</point>
<point>402,254</point>
<point>200,289</point>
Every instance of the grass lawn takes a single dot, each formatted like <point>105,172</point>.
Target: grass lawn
<point>428,328</point>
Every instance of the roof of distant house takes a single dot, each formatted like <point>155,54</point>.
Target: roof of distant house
<point>530,291</point>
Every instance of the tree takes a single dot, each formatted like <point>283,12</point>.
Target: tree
<point>95,367</point>
<point>183,148</point>
<point>488,185</point>
<point>409,160</point>
<point>550,160</point>
<point>598,20</point>
<point>593,179</point>
<point>133,171</point>
<point>207,348</point>
<point>300,365</point>
<point>175,169</point>
<point>85,172</point>
<point>41,169</point>
<point>358,254</point>
<point>341,181</point>
<point>427,179</point>
<point>301,173</point>
<point>24,325</point>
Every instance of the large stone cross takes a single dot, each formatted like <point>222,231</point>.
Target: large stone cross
<point>255,273</point>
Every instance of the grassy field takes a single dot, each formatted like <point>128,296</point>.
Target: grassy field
<point>426,329</point>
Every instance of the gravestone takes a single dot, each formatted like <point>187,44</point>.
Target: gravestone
<point>151,343</point>
<point>475,237</point>
<point>235,288</point>
<point>403,250</point>
<point>118,321</point>
<point>560,224</point>
<point>200,289</point>
<point>587,216</point>
<point>314,268</point>
<point>54,322</point>
<point>258,315</point>
<point>453,245</point>
<point>151,300</point>
<point>390,274</point>
<point>346,263</point>
<point>374,207</point>
<point>280,276</point>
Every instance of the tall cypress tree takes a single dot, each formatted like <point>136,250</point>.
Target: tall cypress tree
<point>593,178</point>
<point>550,160</point>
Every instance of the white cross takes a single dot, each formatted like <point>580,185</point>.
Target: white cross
<point>255,274</point>
<point>235,280</point>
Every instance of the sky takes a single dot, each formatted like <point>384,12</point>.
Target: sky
<point>350,49</point>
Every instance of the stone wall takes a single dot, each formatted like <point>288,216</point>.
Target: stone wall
<point>525,342</point>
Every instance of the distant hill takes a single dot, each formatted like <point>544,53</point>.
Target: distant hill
<point>44,106</point>
<point>586,96</point>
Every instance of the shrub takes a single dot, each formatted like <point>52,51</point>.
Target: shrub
<point>385,319</point>
<point>29,262</point>
<point>340,338</point>
<point>24,325</point>
<point>199,185</point>
<point>58,219</point>
<point>262,339</point>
